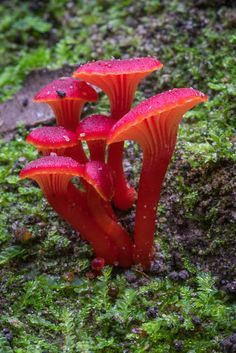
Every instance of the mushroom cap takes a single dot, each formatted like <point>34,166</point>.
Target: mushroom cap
<point>52,165</point>
<point>95,127</point>
<point>97,174</point>
<point>52,137</point>
<point>153,106</point>
<point>66,88</point>
<point>118,66</point>
<point>100,176</point>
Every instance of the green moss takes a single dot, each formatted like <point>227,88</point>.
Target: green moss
<point>50,314</point>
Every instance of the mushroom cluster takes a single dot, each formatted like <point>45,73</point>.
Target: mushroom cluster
<point>88,205</point>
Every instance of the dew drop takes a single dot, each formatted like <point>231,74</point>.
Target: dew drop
<point>66,138</point>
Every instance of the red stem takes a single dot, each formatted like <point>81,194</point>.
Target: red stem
<point>73,208</point>
<point>77,153</point>
<point>97,150</point>
<point>121,95</point>
<point>152,176</point>
<point>116,232</point>
<point>125,195</point>
<point>67,114</point>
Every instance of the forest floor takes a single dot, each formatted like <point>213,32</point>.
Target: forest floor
<point>186,303</point>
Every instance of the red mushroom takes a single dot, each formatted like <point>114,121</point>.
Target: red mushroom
<point>95,129</point>
<point>154,125</point>
<point>55,139</point>
<point>67,96</point>
<point>119,80</point>
<point>53,175</point>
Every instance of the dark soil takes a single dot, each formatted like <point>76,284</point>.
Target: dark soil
<point>207,237</point>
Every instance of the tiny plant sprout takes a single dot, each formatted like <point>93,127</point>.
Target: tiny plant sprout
<point>153,124</point>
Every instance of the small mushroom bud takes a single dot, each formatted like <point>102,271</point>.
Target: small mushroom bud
<point>97,264</point>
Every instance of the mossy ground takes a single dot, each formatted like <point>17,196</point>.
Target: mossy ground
<point>47,302</point>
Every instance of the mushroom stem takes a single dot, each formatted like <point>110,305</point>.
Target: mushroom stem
<point>97,150</point>
<point>150,184</point>
<point>79,215</point>
<point>68,115</point>
<point>125,195</point>
<point>116,232</point>
<point>77,153</point>
<point>72,206</point>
